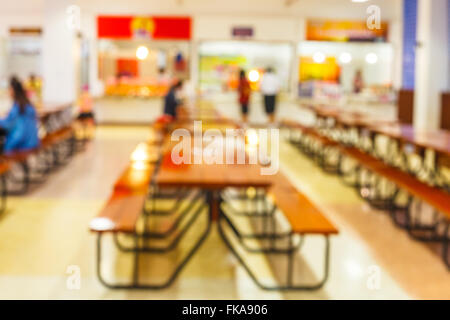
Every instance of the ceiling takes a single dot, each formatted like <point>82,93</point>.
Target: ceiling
<point>390,9</point>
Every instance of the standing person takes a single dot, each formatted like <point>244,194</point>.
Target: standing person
<point>244,91</point>
<point>86,106</point>
<point>270,86</point>
<point>34,89</point>
<point>172,100</point>
<point>358,82</point>
<point>21,123</point>
<point>86,116</point>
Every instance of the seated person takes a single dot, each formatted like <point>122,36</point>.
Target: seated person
<point>172,101</point>
<point>21,123</point>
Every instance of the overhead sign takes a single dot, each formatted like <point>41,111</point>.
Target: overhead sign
<point>25,31</point>
<point>341,30</point>
<point>144,27</point>
<point>244,32</point>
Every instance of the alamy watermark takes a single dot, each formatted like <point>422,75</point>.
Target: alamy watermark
<point>73,281</point>
<point>73,20</point>
<point>236,146</point>
<point>374,278</point>
<point>373,21</point>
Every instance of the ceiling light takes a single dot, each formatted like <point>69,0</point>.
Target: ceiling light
<point>253,75</point>
<point>142,52</point>
<point>319,57</point>
<point>371,58</point>
<point>345,57</point>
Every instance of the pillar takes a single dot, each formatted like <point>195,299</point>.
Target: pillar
<point>59,52</point>
<point>432,65</point>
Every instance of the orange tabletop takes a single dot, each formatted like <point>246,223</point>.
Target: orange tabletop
<point>135,179</point>
<point>361,121</point>
<point>210,176</point>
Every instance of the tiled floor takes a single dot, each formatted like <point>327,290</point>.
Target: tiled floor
<point>44,236</point>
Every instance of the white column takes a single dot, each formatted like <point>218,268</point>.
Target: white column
<point>194,64</point>
<point>396,39</point>
<point>59,53</point>
<point>431,62</point>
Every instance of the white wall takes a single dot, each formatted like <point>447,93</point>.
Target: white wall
<point>219,27</point>
<point>272,20</point>
<point>60,53</point>
<point>34,19</point>
<point>10,18</point>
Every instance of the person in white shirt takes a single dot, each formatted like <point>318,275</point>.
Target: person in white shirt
<point>269,86</point>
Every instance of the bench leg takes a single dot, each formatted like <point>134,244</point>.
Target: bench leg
<point>421,231</point>
<point>401,214</point>
<point>154,235</point>
<point>446,246</point>
<point>272,236</point>
<point>372,192</point>
<point>252,213</point>
<point>321,157</point>
<point>289,286</point>
<point>134,283</point>
<point>46,162</point>
<point>353,172</point>
<point>177,197</point>
<point>268,225</point>
<point>23,182</point>
<point>4,193</point>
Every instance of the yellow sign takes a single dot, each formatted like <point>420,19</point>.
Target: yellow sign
<point>142,27</point>
<point>342,30</point>
<point>327,71</point>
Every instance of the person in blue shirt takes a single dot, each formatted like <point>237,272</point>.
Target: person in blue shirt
<point>21,123</point>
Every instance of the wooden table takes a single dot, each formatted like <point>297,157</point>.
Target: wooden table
<point>55,116</point>
<point>354,127</point>
<point>51,109</point>
<point>437,140</point>
<point>210,176</point>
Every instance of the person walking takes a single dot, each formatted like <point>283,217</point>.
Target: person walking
<point>244,92</point>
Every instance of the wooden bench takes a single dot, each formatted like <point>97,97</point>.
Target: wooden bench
<point>126,206</point>
<point>436,197</point>
<point>303,216</point>
<point>54,120</point>
<point>304,219</point>
<point>48,144</point>
<point>439,228</point>
<point>313,144</point>
<point>119,214</point>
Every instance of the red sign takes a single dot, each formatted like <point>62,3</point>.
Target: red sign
<point>128,27</point>
<point>127,67</point>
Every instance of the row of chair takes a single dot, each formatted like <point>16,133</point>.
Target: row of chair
<point>384,186</point>
<point>19,170</point>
